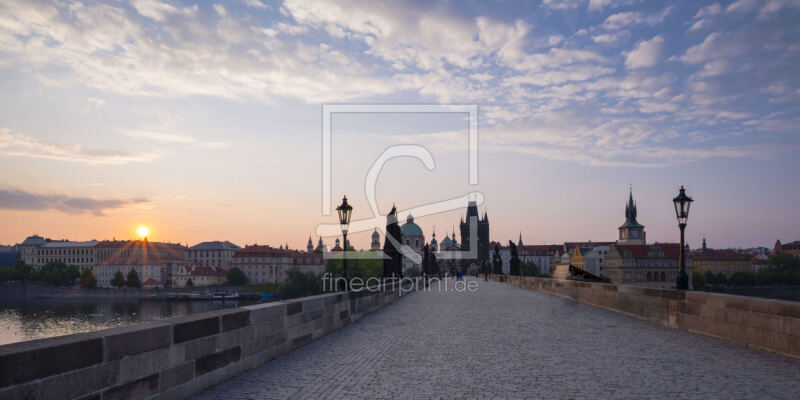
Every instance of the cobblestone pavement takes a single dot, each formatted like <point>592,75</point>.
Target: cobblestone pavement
<point>507,342</point>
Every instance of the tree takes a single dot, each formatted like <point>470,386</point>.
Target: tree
<point>529,268</point>
<point>497,262</point>
<point>87,279</point>
<point>56,273</point>
<point>21,272</point>
<point>413,271</point>
<point>118,280</point>
<point>133,279</point>
<point>236,277</point>
<point>514,262</point>
<point>742,278</point>
<point>720,278</point>
<point>784,261</point>
<point>360,267</point>
<point>299,284</point>
<point>698,281</point>
<point>190,283</point>
<point>710,280</point>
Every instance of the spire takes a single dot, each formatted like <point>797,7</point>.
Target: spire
<point>704,243</point>
<point>630,211</point>
<point>520,239</point>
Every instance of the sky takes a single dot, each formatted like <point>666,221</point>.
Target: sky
<point>203,120</point>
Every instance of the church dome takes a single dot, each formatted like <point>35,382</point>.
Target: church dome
<point>376,235</point>
<point>410,228</point>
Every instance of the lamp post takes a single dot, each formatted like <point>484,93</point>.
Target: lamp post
<point>344,210</point>
<point>682,204</point>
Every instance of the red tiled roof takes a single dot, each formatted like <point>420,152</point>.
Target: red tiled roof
<point>571,245</point>
<point>115,244</point>
<point>730,255</point>
<point>207,271</point>
<point>139,261</point>
<point>268,251</point>
<point>670,250</point>
<point>151,282</point>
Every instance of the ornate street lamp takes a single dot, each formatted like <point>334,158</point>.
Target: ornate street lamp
<point>682,204</point>
<point>344,210</point>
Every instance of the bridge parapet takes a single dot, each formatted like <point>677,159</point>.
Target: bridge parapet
<point>178,357</point>
<point>766,324</point>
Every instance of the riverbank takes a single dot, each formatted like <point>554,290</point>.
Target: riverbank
<point>37,318</point>
<point>33,291</point>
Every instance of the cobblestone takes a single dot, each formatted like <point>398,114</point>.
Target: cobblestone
<point>506,342</point>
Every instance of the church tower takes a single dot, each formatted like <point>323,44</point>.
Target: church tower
<point>631,232</point>
<point>482,246</point>
<point>376,240</point>
<point>310,245</point>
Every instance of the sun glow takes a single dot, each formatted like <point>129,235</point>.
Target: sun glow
<point>143,231</point>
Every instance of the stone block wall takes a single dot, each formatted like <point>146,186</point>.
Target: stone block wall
<point>179,357</point>
<point>766,324</point>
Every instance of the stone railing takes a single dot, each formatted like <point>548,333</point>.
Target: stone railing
<point>176,358</point>
<point>766,324</point>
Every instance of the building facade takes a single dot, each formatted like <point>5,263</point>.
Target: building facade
<point>792,248</point>
<point>647,265</point>
<point>726,262</point>
<point>154,273</point>
<point>9,255</point>
<point>214,254</point>
<point>200,276</point>
<point>265,264</point>
<point>37,251</point>
<point>544,256</point>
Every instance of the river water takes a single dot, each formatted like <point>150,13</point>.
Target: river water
<point>28,319</point>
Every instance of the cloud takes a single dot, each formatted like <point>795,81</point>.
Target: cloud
<point>15,144</point>
<point>428,38</point>
<point>628,18</point>
<point>611,38</point>
<point>765,7</point>
<point>172,137</point>
<point>13,199</point>
<point>255,4</point>
<point>562,4</point>
<point>708,11</point>
<point>112,49</point>
<point>158,10</point>
<point>715,46</point>
<point>646,54</point>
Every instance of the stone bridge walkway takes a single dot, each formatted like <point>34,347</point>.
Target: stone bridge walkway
<point>507,342</point>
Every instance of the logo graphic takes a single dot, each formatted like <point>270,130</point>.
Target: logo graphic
<point>421,153</point>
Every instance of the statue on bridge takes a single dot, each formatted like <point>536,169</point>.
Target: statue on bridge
<point>392,266</point>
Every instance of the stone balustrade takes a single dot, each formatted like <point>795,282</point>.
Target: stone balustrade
<point>176,358</point>
<point>766,324</point>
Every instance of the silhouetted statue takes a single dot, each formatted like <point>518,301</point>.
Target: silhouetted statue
<point>393,266</point>
<point>497,261</point>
